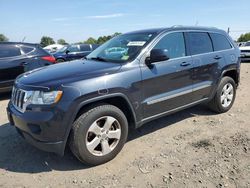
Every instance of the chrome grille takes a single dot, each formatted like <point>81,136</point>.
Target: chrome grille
<point>17,99</point>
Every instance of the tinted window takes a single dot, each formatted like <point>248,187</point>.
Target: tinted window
<point>199,43</point>
<point>85,48</point>
<point>73,48</point>
<point>9,51</point>
<point>220,42</point>
<point>27,49</point>
<point>173,44</point>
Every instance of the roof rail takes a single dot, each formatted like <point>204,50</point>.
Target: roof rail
<point>175,26</point>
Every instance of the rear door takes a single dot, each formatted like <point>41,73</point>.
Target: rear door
<point>167,85</point>
<point>206,62</point>
<point>225,48</point>
<point>11,62</point>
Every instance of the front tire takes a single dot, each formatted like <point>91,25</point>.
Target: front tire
<point>60,60</point>
<point>224,97</point>
<point>99,134</point>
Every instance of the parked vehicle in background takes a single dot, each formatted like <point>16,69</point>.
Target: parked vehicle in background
<point>53,48</point>
<point>17,58</point>
<point>245,52</point>
<point>72,52</point>
<point>90,103</point>
<point>241,44</point>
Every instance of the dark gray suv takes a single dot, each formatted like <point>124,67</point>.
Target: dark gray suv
<point>128,81</point>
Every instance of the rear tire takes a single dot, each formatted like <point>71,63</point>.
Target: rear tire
<point>99,134</point>
<point>224,97</point>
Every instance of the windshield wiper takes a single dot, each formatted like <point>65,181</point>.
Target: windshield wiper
<point>98,59</point>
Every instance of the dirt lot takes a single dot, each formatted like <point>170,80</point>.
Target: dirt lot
<point>193,148</point>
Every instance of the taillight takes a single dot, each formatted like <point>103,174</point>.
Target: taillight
<point>49,58</point>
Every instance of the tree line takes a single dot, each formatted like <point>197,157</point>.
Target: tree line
<point>46,40</point>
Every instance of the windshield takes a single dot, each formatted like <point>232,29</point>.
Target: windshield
<point>247,44</point>
<point>62,49</point>
<point>122,48</point>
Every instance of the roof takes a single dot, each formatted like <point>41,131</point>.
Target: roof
<point>19,43</point>
<point>176,28</point>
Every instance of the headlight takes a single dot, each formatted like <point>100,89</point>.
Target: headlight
<point>42,97</point>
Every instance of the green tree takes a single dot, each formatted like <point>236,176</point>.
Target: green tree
<point>244,37</point>
<point>116,34</point>
<point>3,38</point>
<point>90,40</point>
<point>99,40</point>
<point>62,42</point>
<point>45,41</point>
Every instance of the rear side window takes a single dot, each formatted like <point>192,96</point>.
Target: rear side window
<point>85,48</point>
<point>199,43</point>
<point>220,42</point>
<point>27,49</point>
<point>9,51</point>
<point>173,44</point>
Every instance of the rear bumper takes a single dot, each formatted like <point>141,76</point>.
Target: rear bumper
<point>6,86</point>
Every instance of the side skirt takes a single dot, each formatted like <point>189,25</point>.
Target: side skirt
<point>145,120</point>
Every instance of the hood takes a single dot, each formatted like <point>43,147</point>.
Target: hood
<point>244,48</point>
<point>68,72</point>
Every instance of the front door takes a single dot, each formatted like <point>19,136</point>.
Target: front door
<point>73,52</point>
<point>167,85</point>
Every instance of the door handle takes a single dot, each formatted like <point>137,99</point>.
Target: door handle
<point>24,63</point>
<point>217,57</point>
<point>184,64</point>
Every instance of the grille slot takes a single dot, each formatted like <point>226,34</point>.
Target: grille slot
<point>245,51</point>
<point>17,99</point>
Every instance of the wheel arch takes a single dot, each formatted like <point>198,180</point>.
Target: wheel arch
<point>119,100</point>
<point>232,73</point>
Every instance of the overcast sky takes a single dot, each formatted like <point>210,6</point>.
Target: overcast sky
<point>76,20</point>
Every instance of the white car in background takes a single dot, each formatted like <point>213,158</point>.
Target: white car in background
<point>245,51</point>
<point>53,47</point>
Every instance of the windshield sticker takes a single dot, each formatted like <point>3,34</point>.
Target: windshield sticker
<point>125,57</point>
<point>136,43</point>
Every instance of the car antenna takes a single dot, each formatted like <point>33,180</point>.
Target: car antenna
<point>24,38</point>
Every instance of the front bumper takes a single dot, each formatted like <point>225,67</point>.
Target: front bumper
<point>245,56</point>
<point>39,129</point>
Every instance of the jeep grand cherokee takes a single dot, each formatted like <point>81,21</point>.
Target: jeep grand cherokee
<point>91,103</point>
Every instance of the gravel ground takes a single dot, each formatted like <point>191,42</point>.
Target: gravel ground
<point>192,148</point>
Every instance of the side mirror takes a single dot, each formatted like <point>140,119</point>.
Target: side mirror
<point>157,55</point>
<point>67,51</point>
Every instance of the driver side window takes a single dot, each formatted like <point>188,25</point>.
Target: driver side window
<point>173,44</point>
